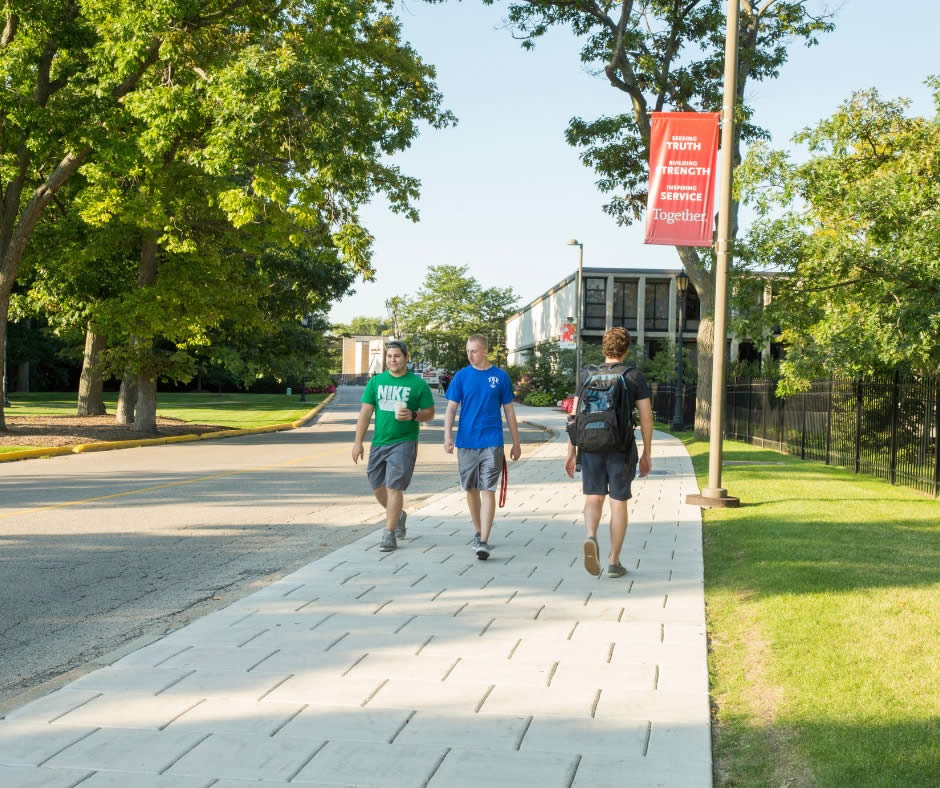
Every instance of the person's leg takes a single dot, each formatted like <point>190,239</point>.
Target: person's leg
<point>393,507</point>
<point>593,509</point>
<point>618,529</point>
<point>473,504</point>
<point>487,505</point>
<point>381,495</point>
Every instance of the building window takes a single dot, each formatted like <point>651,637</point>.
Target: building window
<point>657,306</point>
<point>625,303</point>
<point>693,308</point>
<point>595,303</point>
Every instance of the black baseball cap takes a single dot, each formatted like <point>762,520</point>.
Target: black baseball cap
<point>399,344</point>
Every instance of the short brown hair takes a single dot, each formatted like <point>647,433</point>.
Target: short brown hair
<point>616,342</point>
<point>480,340</point>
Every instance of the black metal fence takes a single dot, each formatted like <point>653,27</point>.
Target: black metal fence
<point>664,402</point>
<point>884,427</point>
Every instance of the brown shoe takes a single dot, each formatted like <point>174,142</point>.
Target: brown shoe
<point>592,561</point>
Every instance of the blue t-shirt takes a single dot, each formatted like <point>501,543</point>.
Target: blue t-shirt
<point>481,394</point>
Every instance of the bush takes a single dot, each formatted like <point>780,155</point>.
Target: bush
<point>540,399</point>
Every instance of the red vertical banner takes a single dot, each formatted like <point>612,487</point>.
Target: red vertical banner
<point>683,161</point>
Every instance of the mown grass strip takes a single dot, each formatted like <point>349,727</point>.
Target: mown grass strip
<point>823,600</point>
<point>238,411</point>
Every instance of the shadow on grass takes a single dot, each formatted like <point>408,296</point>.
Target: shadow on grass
<point>854,753</point>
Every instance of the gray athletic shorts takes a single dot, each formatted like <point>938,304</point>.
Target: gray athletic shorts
<point>392,465</point>
<point>608,474</point>
<point>480,468</point>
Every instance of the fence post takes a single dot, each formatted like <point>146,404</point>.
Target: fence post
<point>936,437</point>
<point>781,426</point>
<point>747,433</point>
<point>763,415</point>
<point>805,396</point>
<point>858,425</point>
<point>895,404</point>
<point>829,422</point>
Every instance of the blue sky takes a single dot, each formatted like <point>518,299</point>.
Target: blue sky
<point>502,191</point>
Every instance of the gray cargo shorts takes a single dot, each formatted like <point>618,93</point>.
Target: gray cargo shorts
<point>392,465</point>
<point>480,468</point>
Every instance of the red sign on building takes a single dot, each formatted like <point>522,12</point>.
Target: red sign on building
<point>683,159</point>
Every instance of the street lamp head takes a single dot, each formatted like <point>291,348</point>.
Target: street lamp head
<point>682,282</point>
<point>573,242</point>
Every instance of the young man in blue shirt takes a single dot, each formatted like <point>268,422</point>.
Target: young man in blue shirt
<point>480,390</point>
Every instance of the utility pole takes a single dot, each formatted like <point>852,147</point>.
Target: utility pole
<point>714,495</point>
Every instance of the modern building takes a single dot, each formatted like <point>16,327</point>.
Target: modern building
<point>642,300</point>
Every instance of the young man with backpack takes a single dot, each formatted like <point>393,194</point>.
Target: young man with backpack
<point>601,428</point>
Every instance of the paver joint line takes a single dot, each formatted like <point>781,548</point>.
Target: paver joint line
<point>182,713</point>
<point>307,761</point>
<point>73,708</point>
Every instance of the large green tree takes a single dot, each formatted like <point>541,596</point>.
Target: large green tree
<point>449,307</point>
<point>849,242</point>
<point>666,55</point>
<point>189,115</point>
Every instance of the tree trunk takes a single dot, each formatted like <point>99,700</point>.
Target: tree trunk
<point>145,419</point>
<point>4,308</point>
<point>705,350</point>
<point>91,383</point>
<point>22,378</point>
<point>127,400</point>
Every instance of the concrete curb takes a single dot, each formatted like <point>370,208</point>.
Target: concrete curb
<point>82,448</point>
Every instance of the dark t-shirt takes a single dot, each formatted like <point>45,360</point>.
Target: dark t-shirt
<point>636,382</point>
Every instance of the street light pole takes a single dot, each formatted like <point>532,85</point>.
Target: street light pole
<point>682,286</point>
<point>577,347</point>
<point>714,494</point>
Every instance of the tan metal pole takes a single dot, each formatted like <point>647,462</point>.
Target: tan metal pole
<point>723,256</point>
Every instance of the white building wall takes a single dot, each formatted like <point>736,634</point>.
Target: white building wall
<point>539,321</point>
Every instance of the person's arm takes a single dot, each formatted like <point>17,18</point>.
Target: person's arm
<point>516,451</point>
<point>571,459</point>
<point>362,424</point>
<point>449,417</point>
<point>646,430</point>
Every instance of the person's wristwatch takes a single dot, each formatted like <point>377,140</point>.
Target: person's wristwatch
<point>414,415</point>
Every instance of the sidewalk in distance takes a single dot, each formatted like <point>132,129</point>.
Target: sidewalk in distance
<point>422,666</point>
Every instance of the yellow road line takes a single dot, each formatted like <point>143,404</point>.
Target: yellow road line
<point>165,486</point>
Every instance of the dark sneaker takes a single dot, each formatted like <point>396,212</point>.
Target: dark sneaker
<point>483,551</point>
<point>401,530</point>
<point>616,570</point>
<point>592,561</point>
<point>476,542</point>
<point>388,541</point>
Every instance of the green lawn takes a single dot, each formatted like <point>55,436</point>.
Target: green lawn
<point>228,410</point>
<point>823,606</point>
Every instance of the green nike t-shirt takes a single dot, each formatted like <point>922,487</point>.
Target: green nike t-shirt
<point>386,393</point>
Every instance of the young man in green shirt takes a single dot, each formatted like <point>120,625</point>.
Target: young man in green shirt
<point>400,400</point>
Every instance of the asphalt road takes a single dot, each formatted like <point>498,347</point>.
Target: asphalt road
<point>101,552</point>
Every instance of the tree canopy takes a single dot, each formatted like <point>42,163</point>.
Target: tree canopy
<point>448,308</point>
<point>666,55</point>
<point>850,242</point>
<point>196,136</point>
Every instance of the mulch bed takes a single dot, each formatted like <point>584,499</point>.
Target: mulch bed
<point>72,430</point>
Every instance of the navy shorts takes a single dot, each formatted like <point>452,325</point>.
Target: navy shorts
<point>608,474</point>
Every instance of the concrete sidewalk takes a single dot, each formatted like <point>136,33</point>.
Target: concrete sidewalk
<point>419,667</point>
